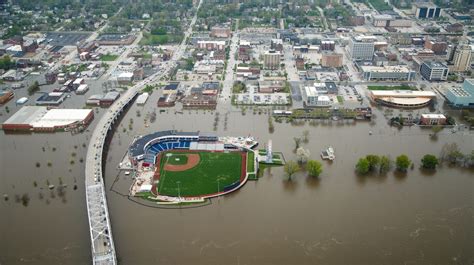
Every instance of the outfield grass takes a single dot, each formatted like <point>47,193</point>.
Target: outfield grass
<point>203,178</point>
<point>108,57</point>
<point>401,87</point>
<point>250,161</point>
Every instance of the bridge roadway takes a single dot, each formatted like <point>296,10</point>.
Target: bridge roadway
<point>102,244</point>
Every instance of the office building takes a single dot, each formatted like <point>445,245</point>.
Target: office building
<point>434,71</point>
<point>426,10</point>
<point>462,58</point>
<point>362,47</point>
<point>462,96</point>
<point>271,60</point>
<point>387,73</point>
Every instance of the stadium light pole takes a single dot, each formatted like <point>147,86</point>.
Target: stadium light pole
<point>179,192</point>
<point>218,189</point>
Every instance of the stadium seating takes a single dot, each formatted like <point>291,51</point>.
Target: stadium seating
<point>156,148</point>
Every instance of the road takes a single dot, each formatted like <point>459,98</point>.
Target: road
<point>102,244</point>
<point>226,93</point>
<point>323,18</point>
<point>113,66</point>
<point>289,60</point>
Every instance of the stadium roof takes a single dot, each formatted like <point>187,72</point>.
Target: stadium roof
<point>402,93</point>
<point>137,148</point>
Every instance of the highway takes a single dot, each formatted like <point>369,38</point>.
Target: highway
<point>102,244</point>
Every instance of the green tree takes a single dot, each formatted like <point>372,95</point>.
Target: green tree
<point>6,63</point>
<point>291,167</point>
<point>33,88</point>
<point>363,166</point>
<point>314,168</point>
<point>402,163</point>
<point>429,161</point>
<point>374,161</point>
<point>385,164</point>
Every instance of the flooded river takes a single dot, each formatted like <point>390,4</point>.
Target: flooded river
<point>339,218</point>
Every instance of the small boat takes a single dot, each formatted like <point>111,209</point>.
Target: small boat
<point>328,154</point>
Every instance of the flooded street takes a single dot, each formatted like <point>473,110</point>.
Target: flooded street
<point>339,218</point>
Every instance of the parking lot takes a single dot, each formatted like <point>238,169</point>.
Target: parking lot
<point>349,93</point>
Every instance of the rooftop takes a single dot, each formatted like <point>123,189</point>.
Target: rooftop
<point>433,64</point>
<point>41,117</point>
<point>386,68</point>
<point>402,93</point>
<point>433,116</point>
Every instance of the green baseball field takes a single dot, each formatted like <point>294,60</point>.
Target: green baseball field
<point>198,173</point>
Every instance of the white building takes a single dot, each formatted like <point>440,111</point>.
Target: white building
<point>388,73</point>
<point>126,77</point>
<point>362,47</point>
<point>315,99</point>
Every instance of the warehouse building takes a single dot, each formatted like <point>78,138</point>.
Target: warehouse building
<point>40,119</point>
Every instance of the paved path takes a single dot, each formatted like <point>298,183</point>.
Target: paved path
<point>102,244</point>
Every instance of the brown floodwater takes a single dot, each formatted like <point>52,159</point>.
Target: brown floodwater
<point>340,218</point>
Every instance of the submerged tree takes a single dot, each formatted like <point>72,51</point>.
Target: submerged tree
<point>290,168</point>
<point>402,163</point>
<point>305,136</point>
<point>429,161</point>
<point>363,166</point>
<point>385,164</point>
<point>302,155</point>
<point>314,168</point>
<point>374,161</point>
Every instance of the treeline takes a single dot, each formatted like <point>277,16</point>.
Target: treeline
<point>450,154</point>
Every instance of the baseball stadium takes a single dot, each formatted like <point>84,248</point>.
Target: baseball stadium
<point>176,167</point>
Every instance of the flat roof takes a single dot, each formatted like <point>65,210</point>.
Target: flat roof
<point>61,117</point>
<point>82,87</point>
<point>402,93</point>
<point>433,116</point>
<point>311,91</point>
<point>27,115</point>
<point>433,64</point>
<point>387,68</point>
<point>142,98</point>
<point>41,117</point>
<point>218,42</point>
